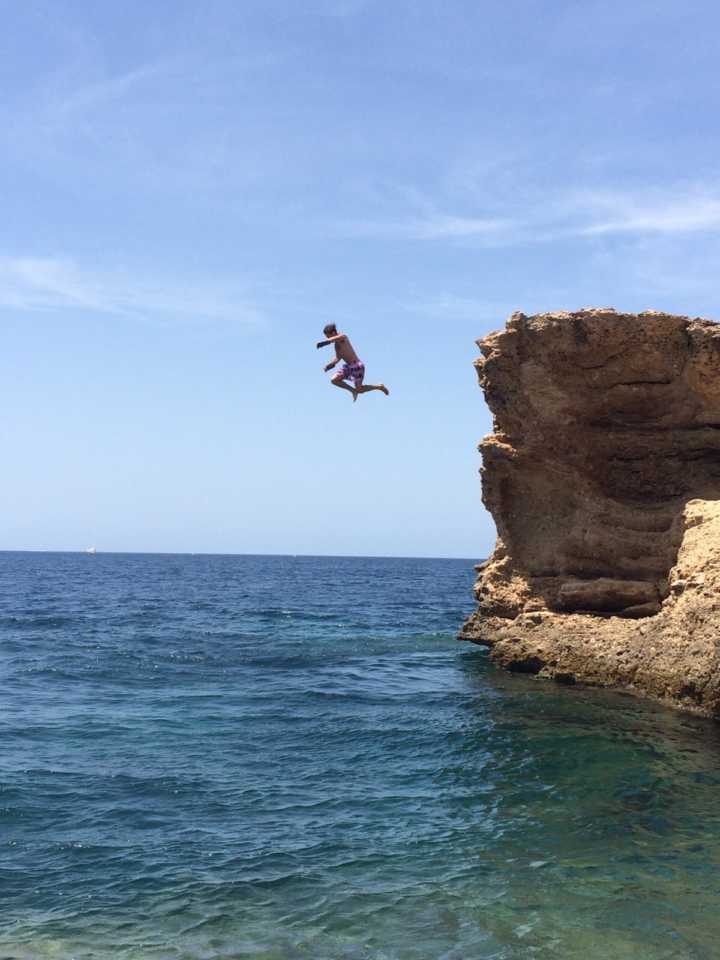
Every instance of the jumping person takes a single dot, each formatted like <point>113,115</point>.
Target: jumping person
<point>352,369</point>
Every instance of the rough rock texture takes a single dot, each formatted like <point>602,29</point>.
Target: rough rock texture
<point>601,475</point>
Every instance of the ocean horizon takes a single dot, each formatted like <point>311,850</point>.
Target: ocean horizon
<point>210,553</point>
<point>280,757</point>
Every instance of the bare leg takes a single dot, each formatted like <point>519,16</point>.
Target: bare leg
<point>337,382</point>
<point>367,387</point>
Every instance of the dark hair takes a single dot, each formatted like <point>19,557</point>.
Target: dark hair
<point>329,329</point>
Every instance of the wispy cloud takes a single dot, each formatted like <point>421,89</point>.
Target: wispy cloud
<point>47,283</point>
<point>63,102</point>
<point>169,126</point>
<point>433,227</point>
<point>666,214</point>
<point>549,218</point>
<point>103,92</point>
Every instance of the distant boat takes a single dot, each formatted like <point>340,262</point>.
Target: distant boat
<point>91,550</point>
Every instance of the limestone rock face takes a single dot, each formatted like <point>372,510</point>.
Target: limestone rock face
<point>603,476</point>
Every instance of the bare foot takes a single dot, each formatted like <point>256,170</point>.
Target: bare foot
<point>355,395</point>
<point>384,389</point>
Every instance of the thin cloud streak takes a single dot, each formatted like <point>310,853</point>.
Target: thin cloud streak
<point>98,94</point>
<point>584,215</point>
<point>687,215</point>
<point>429,228</point>
<point>32,284</point>
<point>62,104</point>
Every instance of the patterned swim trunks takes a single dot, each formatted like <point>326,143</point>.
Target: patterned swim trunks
<point>352,371</point>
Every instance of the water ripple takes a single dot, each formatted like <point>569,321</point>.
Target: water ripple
<point>278,758</point>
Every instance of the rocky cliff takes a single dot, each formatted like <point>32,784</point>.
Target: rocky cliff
<point>603,478</point>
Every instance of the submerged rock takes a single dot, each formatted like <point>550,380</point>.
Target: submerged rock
<point>603,478</point>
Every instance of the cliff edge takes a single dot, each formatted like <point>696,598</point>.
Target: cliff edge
<point>603,478</point>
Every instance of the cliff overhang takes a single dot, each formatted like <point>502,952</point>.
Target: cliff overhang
<point>603,477</point>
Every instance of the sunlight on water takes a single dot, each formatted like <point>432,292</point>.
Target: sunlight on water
<point>278,758</point>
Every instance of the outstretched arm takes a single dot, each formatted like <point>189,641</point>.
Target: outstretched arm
<point>326,343</point>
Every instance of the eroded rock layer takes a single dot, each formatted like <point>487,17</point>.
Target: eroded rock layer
<point>601,475</point>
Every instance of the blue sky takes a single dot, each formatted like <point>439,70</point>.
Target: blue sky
<point>191,191</point>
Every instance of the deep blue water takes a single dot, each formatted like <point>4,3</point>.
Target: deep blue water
<point>277,757</point>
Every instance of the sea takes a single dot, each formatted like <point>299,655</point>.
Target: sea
<point>294,758</point>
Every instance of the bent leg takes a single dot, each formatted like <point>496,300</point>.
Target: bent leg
<point>338,382</point>
<point>366,388</point>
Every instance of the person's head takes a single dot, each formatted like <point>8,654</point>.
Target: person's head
<point>330,330</point>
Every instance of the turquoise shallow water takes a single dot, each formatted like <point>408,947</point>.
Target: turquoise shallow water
<point>268,757</point>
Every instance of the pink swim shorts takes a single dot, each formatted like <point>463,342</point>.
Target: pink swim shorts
<point>351,371</point>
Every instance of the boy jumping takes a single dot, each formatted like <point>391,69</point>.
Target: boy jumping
<point>352,369</point>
